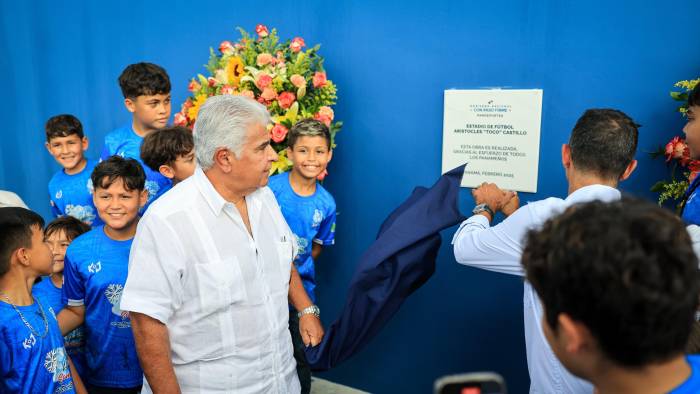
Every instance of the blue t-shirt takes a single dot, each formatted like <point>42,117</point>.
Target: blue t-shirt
<point>126,143</point>
<point>692,384</point>
<point>691,212</point>
<point>28,362</point>
<point>74,341</point>
<point>311,219</point>
<point>72,195</point>
<point>94,276</point>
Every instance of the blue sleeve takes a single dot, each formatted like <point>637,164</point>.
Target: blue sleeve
<point>105,152</point>
<point>5,360</point>
<point>54,208</point>
<point>73,291</point>
<point>326,230</point>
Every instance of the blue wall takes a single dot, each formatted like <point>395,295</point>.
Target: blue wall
<point>391,61</point>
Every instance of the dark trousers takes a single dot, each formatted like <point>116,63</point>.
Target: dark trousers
<point>303,368</point>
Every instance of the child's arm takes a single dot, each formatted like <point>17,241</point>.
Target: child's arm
<point>77,381</point>
<point>316,251</point>
<point>70,318</point>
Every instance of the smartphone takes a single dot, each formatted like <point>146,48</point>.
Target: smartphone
<point>471,383</point>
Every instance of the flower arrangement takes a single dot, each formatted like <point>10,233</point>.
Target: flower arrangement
<point>286,78</point>
<point>677,155</point>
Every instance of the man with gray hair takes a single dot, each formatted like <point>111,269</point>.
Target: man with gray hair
<point>210,270</point>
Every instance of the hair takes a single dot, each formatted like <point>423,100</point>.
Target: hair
<point>604,142</point>
<point>16,232</point>
<point>63,126</point>
<point>69,225</point>
<point>164,146</point>
<point>694,96</point>
<point>624,269</point>
<point>223,122</point>
<point>144,79</point>
<point>116,167</point>
<point>308,128</point>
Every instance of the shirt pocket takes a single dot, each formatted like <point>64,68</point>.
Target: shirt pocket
<point>220,284</point>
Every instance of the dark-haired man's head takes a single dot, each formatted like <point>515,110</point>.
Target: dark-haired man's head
<point>146,90</point>
<point>692,127</point>
<point>170,151</point>
<point>66,142</point>
<point>619,284</point>
<point>119,194</point>
<point>603,144</point>
<point>22,244</point>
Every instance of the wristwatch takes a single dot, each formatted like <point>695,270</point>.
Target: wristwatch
<point>310,310</point>
<point>483,208</point>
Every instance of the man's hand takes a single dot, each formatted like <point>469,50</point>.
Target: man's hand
<point>491,195</point>
<point>311,329</point>
<point>512,205</point>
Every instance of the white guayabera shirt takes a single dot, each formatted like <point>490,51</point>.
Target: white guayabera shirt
<point>221,293</point>
<point>499,249</point>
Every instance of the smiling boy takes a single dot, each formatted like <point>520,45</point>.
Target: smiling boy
<point>70,189</point>
<point>94,275</point>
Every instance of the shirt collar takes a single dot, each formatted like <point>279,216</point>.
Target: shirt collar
<point>594,192</point>
<point>211,196</point>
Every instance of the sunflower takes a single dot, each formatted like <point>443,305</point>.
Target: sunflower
<point>234,70</point>
<point>193,111</point>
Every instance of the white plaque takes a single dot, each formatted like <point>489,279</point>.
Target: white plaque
<point>497,133</point>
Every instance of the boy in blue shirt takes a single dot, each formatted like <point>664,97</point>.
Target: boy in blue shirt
<point>95,272</point>
<point>170,151</point>
<point>310,212</point>
<point>146,90</point>
<point>70,190</point>
<point>32,356</point>
<point>619,283</point>
<point>58,235</point>
<point>690,208</point>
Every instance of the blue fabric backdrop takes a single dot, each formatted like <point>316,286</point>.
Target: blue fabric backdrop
<point>391,62</point>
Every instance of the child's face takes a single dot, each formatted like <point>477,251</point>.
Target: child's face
<point>692,131</point>
<point>39,254</point>
<point>310,156</point>
<point>150,112</point>
<point>58,243</point>
<point>183,167</point>
<point>118,207</point>
<point>68,151</point>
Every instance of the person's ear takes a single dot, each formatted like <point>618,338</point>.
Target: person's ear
<point>48,148</point>
<point>223,159</point>
<point>143,198</point>
<point>130,105</point>
<point>566,156</point>
<point>575,335</point>
<point>23,256</point>
<point>85,143</point>
<point>166,171</point>
<point>330,155</point>
<point>290,153</point>
<point>629,170</point>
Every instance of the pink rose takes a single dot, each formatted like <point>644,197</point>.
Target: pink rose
<point>263,81</point>
<point>319,79</point>
<point>297,80</point>
<point>297,44</point>
<point>286,99</point>
<point>264,58</point>
<point>248,93</point>
<point>278,133</point>
<point>268,94</point>
<point>325,115</point>
<point>322,175</point>
<point>261,30</point>
<point>227,89</point>
<point>194,86</point>
<point>212,82</point>
<point>180,119</point>
<point>188,104</point>
<point>226,47</point>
